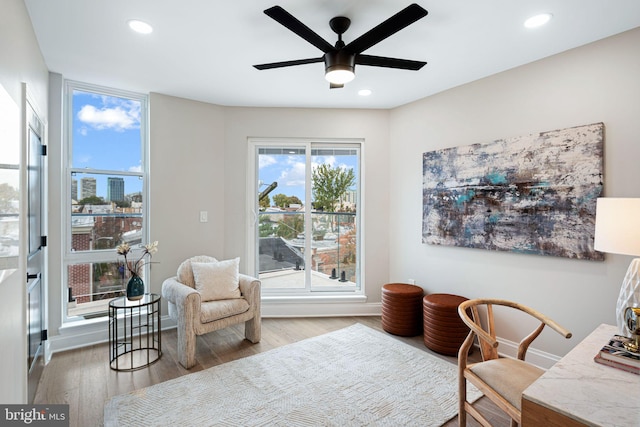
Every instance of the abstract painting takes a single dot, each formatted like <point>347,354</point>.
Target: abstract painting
<point>534,194</point>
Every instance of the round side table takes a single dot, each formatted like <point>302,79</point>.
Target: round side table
<point>134,332</point>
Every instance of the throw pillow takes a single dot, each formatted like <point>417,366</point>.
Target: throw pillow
<point>185,272</point>
<point>217,280</point>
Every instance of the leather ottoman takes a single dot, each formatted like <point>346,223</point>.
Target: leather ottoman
<point>444,331</point>
<point>402,309</point>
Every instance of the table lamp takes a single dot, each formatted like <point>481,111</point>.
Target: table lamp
<point>618,232</point>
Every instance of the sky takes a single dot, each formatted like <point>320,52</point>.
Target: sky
<point>288,170</point>
<point>106,135</point>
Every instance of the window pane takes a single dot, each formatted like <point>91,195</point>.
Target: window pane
<point>9,210</point>
<point>281,248</point>
<point>107,214</point>
<point>106,132</point>
<point>281,220</point>
<point>92,285</point>
<point>105,177</point>
<point>335,200</point>
<point>334,248</point>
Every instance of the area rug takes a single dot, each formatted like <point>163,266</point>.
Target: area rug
<point>355,376</point>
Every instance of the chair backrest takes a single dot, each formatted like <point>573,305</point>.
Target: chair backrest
<point>487,334</point>
<point>185,271</point>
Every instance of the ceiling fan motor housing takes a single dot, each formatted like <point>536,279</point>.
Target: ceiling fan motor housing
<point>339,60</point>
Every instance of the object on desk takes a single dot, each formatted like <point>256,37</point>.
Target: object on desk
<point>616,352</point>
<point>618,232</point>
<point>617,365</point>
<point>632,320</point>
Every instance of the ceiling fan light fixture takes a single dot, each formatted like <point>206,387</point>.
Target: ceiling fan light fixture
<point>339,67</point>
<point>339,76</point>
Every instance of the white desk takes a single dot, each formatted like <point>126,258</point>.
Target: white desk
<point>577,391</point>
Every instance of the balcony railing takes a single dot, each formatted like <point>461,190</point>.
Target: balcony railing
<point>333,246</point>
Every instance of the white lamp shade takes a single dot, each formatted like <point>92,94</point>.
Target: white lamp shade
<point>618,226</point>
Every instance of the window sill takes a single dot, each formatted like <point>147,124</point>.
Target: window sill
<point>318,306</point>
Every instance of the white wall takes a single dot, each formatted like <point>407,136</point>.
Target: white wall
<point>187,176</point>
<point>593,83</point>
<point>20,61</point>
<point>199,158</point>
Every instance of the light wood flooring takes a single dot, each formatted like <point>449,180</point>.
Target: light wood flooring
<point>82,377</point>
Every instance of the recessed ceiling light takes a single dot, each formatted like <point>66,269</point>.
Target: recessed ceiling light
<point>364,92</point>
<point>140,27</point>
<point>537,20</point>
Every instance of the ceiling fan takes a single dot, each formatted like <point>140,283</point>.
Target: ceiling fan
<point>340,60</point>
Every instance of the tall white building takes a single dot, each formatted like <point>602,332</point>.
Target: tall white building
<point>87,187</point>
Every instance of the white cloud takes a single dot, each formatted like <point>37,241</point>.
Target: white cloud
<point>114,113</point>
<point>265,161</point>
<point>294,176</point>
<point>135,168</point>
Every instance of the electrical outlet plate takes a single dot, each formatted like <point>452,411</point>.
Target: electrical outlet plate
<point>203,216</point>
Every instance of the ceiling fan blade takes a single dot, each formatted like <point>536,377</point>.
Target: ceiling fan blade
<point>404,18</point>
<point>383,61</point>
<point>292,23</point>
<point>288,63</point>
<point>335,86</point>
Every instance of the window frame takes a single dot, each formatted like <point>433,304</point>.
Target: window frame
<point>70,257</point>
<point>310,145</point>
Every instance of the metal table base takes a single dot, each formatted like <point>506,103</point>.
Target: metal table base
<point>134,333</point>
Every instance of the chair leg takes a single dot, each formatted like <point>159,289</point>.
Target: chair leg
<point>253,329</point>
<point>186,348</point>
<point>462,398</point>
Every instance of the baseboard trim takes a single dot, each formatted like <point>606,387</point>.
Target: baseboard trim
<point>86,335</point>
<point>278,309</point>
<point>97,333</point>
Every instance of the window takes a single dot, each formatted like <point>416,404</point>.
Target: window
<point>106,149</point>
<point>306,238</point>
<point>9,182</point>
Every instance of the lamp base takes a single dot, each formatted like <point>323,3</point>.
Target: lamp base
<point>629,296</point>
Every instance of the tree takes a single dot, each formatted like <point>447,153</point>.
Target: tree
<point>290,226</point>
<point>92,200</point>
<point>330,185</point>
<point>283,201</point>
<point>265,202</point>
<point>294,200</point>
<point>9,198</point>
<point>280,200</point>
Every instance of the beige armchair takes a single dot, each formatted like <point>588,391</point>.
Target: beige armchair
<point>197,317</point>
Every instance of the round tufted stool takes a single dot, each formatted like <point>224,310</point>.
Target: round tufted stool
<point>401,309</point>
<point>444,331</point>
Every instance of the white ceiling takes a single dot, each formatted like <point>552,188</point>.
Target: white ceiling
<point>204,49</point>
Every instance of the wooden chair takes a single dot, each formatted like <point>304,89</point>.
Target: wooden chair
<point>502,380</point>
